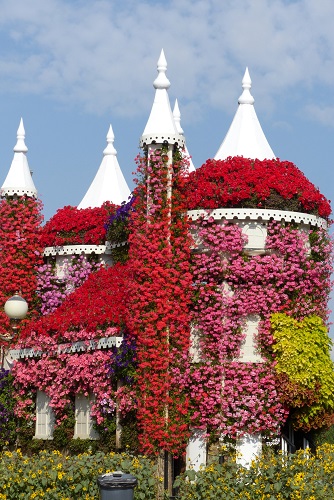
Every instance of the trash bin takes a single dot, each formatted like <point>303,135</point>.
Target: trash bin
<point>116,486</point>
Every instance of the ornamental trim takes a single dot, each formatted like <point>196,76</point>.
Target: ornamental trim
<point>75,249</point>
<point>258,214</point>
<point>147,139</point>
<point>81,346</point>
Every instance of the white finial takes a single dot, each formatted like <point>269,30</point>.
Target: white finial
<point>161,81</point>
<point>177,117</point>
<point>110,150</point>
<point>246,97</point>
<point>20,146</point>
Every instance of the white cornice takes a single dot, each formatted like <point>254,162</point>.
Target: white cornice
<point>256,214</point>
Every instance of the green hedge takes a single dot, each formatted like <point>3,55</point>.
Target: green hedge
<point>51,475</point>
<point>302,476</point>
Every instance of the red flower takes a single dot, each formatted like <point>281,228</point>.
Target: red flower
<point>241,182</point>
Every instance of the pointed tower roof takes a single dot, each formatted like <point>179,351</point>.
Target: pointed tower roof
<point>245,136</point>
<point>19,180</point>
<point>177,120</point>
<point>109,183</point>
<point>160,126</point>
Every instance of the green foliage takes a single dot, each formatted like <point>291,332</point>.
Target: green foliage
<point>51,475</point>
<point>323,436</point>
<point>106,431</point>
<point>304,368</point>
<point>7,402</point>
<point>273,477</point>
<point>129,436</point>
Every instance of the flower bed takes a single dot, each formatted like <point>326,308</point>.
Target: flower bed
<point>55,476</point>
<point>240,182</point>
<point>299,476</point>
<point>72,226</point>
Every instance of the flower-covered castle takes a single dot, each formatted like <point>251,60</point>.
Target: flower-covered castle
<point>187,316</point>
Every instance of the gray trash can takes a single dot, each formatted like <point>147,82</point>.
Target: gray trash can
<point>116,486</point>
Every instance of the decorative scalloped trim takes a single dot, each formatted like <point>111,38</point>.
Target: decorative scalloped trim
<point>161,138</point>
<point>90,345</point>
<point>75,250</point>
<point>18,191</point>
<point>256,214</point>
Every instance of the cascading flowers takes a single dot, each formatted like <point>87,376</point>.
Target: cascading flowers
<point>158,316</point>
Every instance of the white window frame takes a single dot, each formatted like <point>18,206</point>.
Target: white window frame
<point>83,421</point>
<point>45,417</point>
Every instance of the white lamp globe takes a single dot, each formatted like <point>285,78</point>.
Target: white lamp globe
<point>16,307</point>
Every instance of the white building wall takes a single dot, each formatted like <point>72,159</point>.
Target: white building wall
<point>196,449</point>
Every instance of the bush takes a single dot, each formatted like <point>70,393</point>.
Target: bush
<point>274,477</point>
<point>51,475</point>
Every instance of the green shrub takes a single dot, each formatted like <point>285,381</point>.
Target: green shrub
<point>302,476</point>
<point>51,475</point>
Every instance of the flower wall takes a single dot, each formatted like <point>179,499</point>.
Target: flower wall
<point>184,304</point>
<point>20,252</point>
<point>72,226</point>
<point>83,316</point>
<point>160,286</point>
<point>230,397</point>
<point>52,290</point>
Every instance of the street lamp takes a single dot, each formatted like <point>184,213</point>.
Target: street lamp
<point>16,309</point>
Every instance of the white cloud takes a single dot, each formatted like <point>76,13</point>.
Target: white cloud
<point>321,114</point>
<point>102,54</point>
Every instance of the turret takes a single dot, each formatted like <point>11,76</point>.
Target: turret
<point>109,183</point>
<point>19,180</point>
<point>177,119</point>
<point>245,136</point>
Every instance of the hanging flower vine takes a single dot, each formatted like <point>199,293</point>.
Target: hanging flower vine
<point>159,300</point>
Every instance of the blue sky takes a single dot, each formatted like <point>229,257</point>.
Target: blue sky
<point>72,68</point>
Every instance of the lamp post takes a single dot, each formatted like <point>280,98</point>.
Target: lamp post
<point>16,308</point>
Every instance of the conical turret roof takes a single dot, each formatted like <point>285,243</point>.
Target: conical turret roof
<point>160,127</point>
<point>109,183</point>
<point>245,136</point>
<point>19,180</point>
<point>177,120</point>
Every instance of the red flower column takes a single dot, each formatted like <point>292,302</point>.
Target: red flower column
<point>160,291</point>
<point>20,251</point>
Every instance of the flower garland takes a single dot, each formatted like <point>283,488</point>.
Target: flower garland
<point>240,182</point>
<point>20,252</point>
<point>73,226</point>
<point>159,300</point>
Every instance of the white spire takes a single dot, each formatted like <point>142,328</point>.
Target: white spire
<point>177,119</point>
<point>160,126</point>
<point>245,136</point>
<point>19,180</point>
<point>109,183</point>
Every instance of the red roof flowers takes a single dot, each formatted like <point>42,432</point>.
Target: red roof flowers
<point>241,182</point>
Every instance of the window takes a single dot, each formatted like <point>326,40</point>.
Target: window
<point>45,417</point>
<point>83,421</point>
